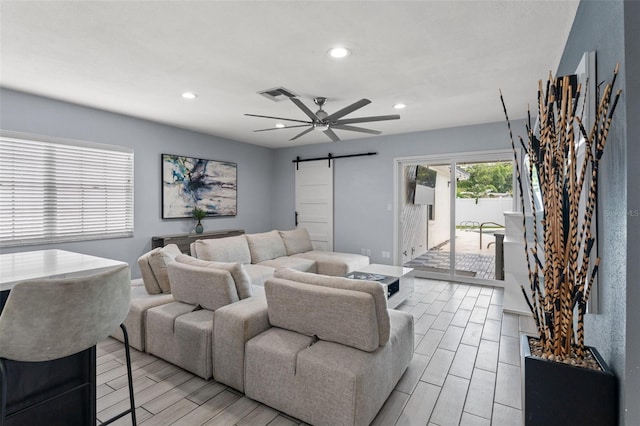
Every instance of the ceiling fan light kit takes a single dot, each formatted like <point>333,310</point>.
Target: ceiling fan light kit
<point>321,120</point>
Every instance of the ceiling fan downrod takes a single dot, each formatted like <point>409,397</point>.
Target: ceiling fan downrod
<point>321,114</point>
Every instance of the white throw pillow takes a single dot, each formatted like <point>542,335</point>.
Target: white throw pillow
<point>265,246</point>
<point>296,241</point>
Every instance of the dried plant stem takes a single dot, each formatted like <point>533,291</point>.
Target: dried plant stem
<point>561,283</point>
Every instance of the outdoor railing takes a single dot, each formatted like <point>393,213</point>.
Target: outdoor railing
<point>482,225</point>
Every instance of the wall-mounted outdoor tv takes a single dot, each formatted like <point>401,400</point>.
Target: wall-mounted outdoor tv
<point>425,189</point>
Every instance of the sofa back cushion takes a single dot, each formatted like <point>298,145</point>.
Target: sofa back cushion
<point>337,315</point>
<point>229,249</point>
<point>207,287</point>
<point>153,266</point>
<point>296,241</point>
<point>373,289</point>
<point>239,274</point>
<point>265,246</point>
<point>148,278</point>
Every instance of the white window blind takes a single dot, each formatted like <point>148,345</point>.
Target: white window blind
<point>55,190</point>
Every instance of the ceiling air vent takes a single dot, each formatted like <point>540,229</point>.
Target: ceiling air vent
<point>278,94</point>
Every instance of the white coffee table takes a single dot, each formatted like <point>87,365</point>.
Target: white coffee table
<point>404,274</point>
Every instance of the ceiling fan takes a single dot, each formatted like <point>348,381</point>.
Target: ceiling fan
<point>320,120</point>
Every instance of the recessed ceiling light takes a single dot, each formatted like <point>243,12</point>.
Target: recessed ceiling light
<point>280,125</point>
<point>189,95</point>
<point>339,52</point>
<point>399,106</point>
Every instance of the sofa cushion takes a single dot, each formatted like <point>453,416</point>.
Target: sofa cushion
<point>158,259</point>
<point>209,288</point>
<point>330,384</point>
<point>370,287</point>
<point>182,334</point>
<point>229,249</point>
<point>239,274</point>
<point>136,319</point>
<point>335,264</point>
<point>337,315</point>
<point>259,274</point>
<point>265,246</point>
<point>296,241</point>
<point>234,325</point>
<point>148,279</point>
<point>297,263</point>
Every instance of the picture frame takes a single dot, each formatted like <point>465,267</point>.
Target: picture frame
<point>189,182</point>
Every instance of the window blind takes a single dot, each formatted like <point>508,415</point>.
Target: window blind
<point>54,190</point>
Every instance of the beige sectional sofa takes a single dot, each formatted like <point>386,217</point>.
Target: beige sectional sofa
<point>261,313</point>
<point>262,253</point>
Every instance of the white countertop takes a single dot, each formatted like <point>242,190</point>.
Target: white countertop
<point>29,265</point>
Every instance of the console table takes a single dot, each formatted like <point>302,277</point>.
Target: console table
<point>183,241</point>
<point>31,382</point>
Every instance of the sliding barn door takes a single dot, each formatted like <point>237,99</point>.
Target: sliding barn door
<point>314,201</point>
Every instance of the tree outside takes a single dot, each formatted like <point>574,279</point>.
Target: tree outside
<point>486,180</point>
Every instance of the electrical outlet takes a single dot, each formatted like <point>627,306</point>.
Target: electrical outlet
<point>368,252</point>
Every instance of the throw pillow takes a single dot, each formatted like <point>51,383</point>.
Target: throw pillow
<point>158,260</point>
<point>237,271</point>
<point>296,241</point>
<point>265,246</point>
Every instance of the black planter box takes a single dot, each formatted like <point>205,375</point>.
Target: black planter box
<point>565,395</point>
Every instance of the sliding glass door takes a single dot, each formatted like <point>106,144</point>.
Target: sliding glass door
<point>451,214</point>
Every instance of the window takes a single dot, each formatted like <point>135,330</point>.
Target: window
<point>55,190</point>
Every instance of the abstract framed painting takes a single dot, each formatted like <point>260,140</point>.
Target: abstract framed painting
<point>189,182</point>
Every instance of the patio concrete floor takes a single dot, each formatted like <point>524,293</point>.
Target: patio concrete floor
<point>471,259</point>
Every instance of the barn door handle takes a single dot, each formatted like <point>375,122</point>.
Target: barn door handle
<point>296,218</point>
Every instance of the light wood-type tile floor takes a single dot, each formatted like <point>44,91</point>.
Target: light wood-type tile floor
<point>465,371</point>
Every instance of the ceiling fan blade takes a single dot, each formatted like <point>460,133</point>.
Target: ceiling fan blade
<point>348,109</point>
<point>280,128</point>
<point>278,118</point>
<point>304,132</point>
<point>355,129</point>
<point>332,135</point>
<point>368,119</point>
<point>304,109</point>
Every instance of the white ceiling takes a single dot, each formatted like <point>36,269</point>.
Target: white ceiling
<point>445,59</point>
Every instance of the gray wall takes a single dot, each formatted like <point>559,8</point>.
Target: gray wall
<point>363,186</point>
<point>603,26</point>
<point>37,115</point>
<point>632,96</point>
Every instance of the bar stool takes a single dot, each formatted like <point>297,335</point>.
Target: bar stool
<point>49,319</point>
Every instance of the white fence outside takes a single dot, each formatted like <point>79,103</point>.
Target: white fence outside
<point>486,210</point>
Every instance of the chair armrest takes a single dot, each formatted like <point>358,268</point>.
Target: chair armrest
<point>233,326</point>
